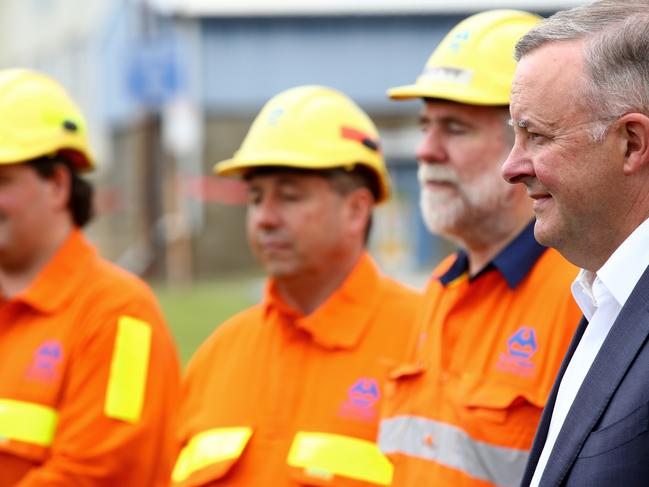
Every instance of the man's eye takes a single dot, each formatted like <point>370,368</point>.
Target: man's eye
<point>254,198</point>
<point>535,137</point>
<point>455,128</point>
<point>291,196</point>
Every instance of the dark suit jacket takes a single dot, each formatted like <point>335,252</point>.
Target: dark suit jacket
<point>604,440</point>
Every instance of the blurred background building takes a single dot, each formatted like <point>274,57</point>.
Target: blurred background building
<point>171,86</point>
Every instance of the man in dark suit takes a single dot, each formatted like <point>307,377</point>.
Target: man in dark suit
<point>580,110</point>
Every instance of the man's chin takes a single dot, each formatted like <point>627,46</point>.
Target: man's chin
<point>279,270</point>
<point>441,222</point>
<point>544,233</point>
<point>438,228</point>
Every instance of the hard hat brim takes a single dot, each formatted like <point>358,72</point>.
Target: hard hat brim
<point>456,94</point>
<point>233,168</point>
<point>80,157</point>
<point>236,167</point>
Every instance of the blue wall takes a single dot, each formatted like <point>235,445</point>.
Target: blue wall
<point>246,61</point>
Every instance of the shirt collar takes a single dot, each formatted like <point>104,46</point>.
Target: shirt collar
<point>582,291</point>
<point>619,274</point>
<point>514,262</point>
<point>341,320</point>
<point>58,280</point>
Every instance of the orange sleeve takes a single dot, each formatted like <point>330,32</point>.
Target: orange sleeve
<point>92,449</point>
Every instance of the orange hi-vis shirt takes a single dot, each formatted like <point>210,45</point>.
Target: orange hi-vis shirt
<point>89,378</point>
<point>275,398</point>
<point>464,411</point>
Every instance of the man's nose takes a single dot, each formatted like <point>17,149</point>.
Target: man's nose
<point>431,148</point>
<point>517,167</point>
<point>265,213</point>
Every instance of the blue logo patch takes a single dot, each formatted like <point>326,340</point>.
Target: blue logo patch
<point>274,116</point>
<point>521,347</point>
<point>459,39</point>
<point>46,360</point>
<point>362,397</point>
<point>522,343</point>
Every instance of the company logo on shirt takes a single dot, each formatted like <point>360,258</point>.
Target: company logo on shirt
<point>46,360</point>
<point>361,400</point>
<point>521,347</point>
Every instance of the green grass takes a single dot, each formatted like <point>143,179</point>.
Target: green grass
<point>194,312</point>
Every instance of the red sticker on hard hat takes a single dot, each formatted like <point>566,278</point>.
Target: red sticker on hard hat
<point>353,134</point>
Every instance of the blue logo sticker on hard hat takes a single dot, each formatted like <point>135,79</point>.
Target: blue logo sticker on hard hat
<point>521,347</point>
<point>274,116</point>
<point>458,39</point>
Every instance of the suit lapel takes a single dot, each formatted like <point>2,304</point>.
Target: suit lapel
<point>544,424</point>
<point>618,351</point>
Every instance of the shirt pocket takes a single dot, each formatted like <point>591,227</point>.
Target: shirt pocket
<point>502,415</point>
<point>323,459</point>
<point>210,455</point>
<point>617,434</point>
<point>497,403</point>
<point>27,429</point>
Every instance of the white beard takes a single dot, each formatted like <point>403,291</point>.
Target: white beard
<point>460,208</point>
<point>439,211</point>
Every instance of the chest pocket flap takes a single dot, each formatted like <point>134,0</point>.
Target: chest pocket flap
<point>496,402</point>
<point>27,428</point>
<point>209,455</point>
<point>325,458</point>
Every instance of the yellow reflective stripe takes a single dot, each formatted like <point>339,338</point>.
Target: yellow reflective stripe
<point>325,455</point>
<point>28,422</point>
<point>209,447</point>
<point>128,370</point>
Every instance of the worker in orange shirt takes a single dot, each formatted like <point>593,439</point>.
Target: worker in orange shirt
<point>89,377</point>
<point>288,391</point>
<point>498,315</point>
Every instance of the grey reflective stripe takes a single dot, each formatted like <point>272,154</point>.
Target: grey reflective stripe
<point>453,448</point>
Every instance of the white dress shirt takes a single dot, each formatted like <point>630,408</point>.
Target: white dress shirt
<point>601,297</point>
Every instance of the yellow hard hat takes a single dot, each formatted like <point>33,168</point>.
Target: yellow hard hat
<point>474,63</point>
<point>310,127</point>
<point>38,118</point>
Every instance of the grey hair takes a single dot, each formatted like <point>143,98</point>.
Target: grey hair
<point>616,55</point>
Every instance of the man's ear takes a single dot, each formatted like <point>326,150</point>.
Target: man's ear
<point>635,132</point>
<point>359,209</point>
<point>61,183</point>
